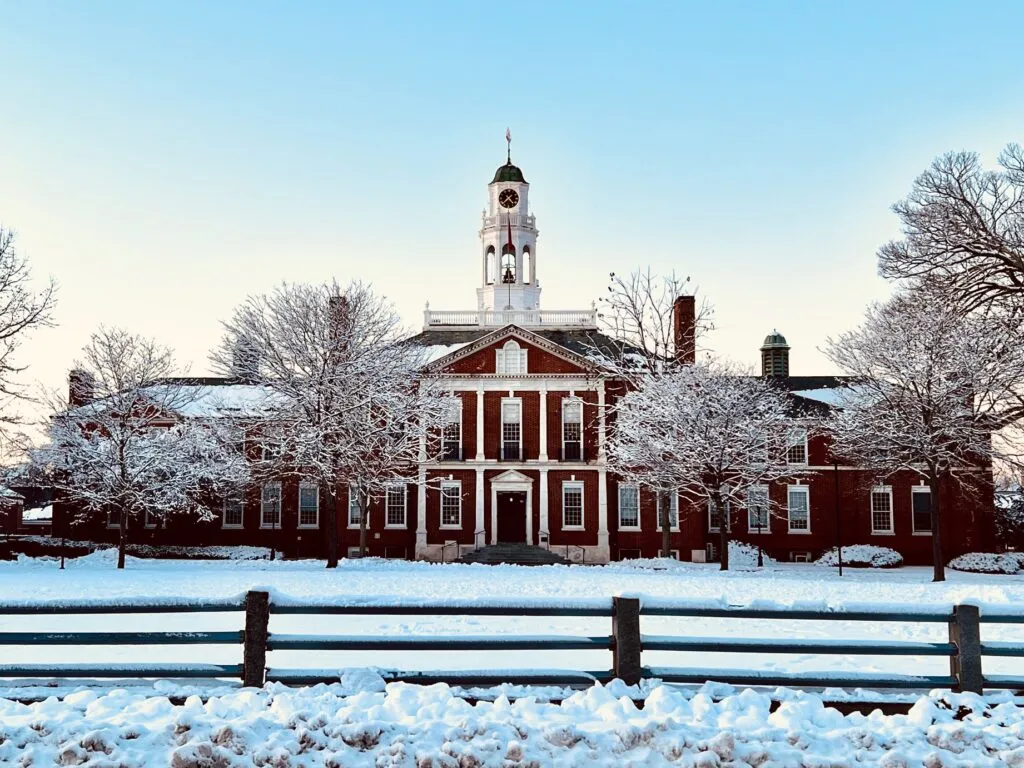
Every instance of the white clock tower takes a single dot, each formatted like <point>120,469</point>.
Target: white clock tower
<point>508,238</point>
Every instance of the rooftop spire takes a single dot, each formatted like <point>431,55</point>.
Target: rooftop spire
<point>508,140</point>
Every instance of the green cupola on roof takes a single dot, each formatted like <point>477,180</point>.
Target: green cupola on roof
<point>508,172</point>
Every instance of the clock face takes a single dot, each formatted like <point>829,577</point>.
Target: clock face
<point>508,198</point>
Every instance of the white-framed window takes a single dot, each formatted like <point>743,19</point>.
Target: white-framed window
<point>451,436</point>
<point>395,506</point>
<point>714,522</point>
<point>572,505</point>
<point>309,505</point>
<point>800,557</point>
<point>270,450</point>
<point>510,359</point>
<point>796,453</point>
<point>758,519</point>
<point>113,518</point>
<point>354,512</point>
<point>270,506</point>
<point>629,507</point>
<point>672,499</point>
<point>353,553</point>
<point>572,429</point>
<point>150,520</point>
<point>798,508</point>
<point>921,508</point>
<point>233,513</point>
<point>451,504</point>
<point>881,509</point>
<point>511,429</point>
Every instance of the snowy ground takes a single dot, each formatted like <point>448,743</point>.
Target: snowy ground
<point>381,581</point>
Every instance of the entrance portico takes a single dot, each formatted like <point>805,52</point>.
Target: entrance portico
<point>511,495</point>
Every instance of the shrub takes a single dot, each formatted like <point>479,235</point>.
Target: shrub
<point>988,562</point>
<point>743,556</point>
<point>862,556</point>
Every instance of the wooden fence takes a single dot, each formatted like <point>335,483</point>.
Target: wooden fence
<point>964,649</point>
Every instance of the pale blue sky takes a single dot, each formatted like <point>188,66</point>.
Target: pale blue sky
<point>165,160</point>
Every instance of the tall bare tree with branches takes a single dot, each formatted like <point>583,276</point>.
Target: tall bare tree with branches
<point>350,408</point>
<point>23,308</point>
<point>963,230</point>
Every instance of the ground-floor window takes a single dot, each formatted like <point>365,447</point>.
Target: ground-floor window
<point>572,505</point>
<point>113,518</point>
<point>921,504</point>
<point>629,506</point>
<point>396,501</point>
<point>881,510</point>
<point>670,498</point>
<point>151,520</point>
<point>451,504</point>
<point>270,507</point>
<point>757,509</point>
<point>309,505</point>
<point>355,513</point>
<point>233,514</point>
<point>799,508</point>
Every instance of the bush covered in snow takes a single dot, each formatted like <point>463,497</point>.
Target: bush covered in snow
<point>988,562</point>
<point>862,556</point>
<point>52,546</point>
<point>743,556</point>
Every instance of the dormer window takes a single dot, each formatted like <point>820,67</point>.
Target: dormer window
<point>510,360</point>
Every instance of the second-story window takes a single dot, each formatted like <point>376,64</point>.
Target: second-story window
<point>451,436</point>
<point>796,453</point>
<point>572,429</point>
<point>511,429</point>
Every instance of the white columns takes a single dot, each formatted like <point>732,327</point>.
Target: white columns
<point>545,529</point>
<point>480,422</point>
<point>600,423</point>
<point>421,502</point>
<point>602,513</point>
<point>543,435</point>
<point>478,538</point>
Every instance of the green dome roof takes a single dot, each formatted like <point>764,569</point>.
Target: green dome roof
<point>508,172</point>
<point>774,339</point>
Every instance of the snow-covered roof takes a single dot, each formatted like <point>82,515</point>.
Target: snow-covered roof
<point>37,514</point>
<point>7,493</point>
<point>834,396</point>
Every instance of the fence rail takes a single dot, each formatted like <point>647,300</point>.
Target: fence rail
<point>626,643</point>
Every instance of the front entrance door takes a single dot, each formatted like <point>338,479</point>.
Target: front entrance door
<point>512,517</point>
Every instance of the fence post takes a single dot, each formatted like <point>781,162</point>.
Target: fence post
<point>965,633</point>
<point>254,654</point>
<point>626,639</point>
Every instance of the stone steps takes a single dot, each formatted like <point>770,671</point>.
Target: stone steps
<point>515,554</point>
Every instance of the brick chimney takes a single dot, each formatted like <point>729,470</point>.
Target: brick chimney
<point>81,388</point>
<point>684,329</point>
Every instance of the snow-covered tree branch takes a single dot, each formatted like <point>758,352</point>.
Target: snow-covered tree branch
<point>350,408</point>
<point>931,389</point>
<point>123,448</point>
<point>711,432</point>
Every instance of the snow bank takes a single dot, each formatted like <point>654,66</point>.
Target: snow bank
<point>428,726</point>
<point>862,556</point>
<point>743,556</point>
<point>988,562</point>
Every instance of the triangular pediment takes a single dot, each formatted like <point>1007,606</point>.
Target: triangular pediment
<point>571,362</point>
<point>512,477</point>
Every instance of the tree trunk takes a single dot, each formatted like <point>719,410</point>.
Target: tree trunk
<point>363,504</point>
<point>666,532</point>
<point>723,537</point>
<point>122,538</point>
<point>938,561</point>
<point>331,528</point>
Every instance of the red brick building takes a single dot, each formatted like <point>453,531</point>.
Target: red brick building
<point>525,462</point>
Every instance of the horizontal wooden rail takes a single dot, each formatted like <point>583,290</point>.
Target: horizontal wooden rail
<point>1002,649</point>
<point>61,608</point>
<point>278,642</point>
<point>824,647</point>
<point>786,614</point>
<point>808,679</point>
<point>121,638</point>
<point>106,671</point>
<point>464,678</point>
<point>439,609</point>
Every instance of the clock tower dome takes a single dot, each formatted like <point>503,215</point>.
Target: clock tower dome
<point>508,239</point>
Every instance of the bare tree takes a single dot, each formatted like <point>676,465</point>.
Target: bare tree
<point>963,229</point>
<point>128,444</point>
<point>710,432</point>
<point>931,389</point>
<point>638,313</point>
<point>22,309</point>
<point>350,407</point>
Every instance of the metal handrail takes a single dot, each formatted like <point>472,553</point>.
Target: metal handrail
<point>582,550</point>
<point>444,548</point>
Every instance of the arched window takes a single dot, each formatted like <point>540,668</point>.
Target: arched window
<point>508,263</point>
<point>489,264</point>
<point>527,264</point>
<point>510,359</point>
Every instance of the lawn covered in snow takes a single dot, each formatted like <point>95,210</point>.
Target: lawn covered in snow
<point>378,581</point>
